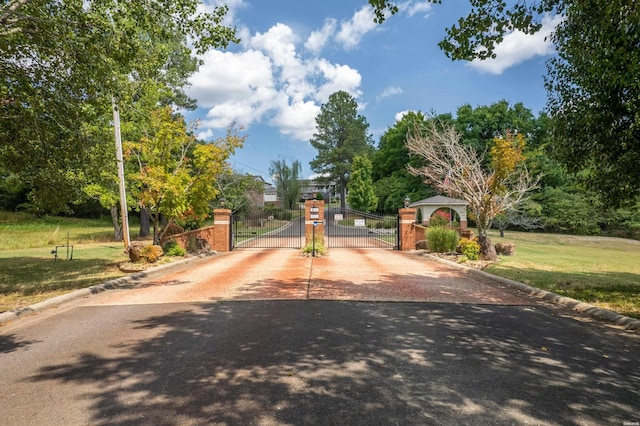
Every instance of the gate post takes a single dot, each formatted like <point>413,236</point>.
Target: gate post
<point>407,230</point>
<point>313,213</point>
<point>221,230</point>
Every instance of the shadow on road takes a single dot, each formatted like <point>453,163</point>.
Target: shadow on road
<point>315,362</point>
<point>11,343</point>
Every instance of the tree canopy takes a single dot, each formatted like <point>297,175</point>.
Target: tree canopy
<point>392,180</point>
<point>175,174</point>
<point>592,84</point>
<point>361,195</point>
<point>62,61</point>
<point>476,35</point>
<point>288,184</point>
<point>594,95</point>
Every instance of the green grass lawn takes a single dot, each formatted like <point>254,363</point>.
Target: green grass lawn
<point>28,272</point>
<point>598,270</point>
<point>28,276</point>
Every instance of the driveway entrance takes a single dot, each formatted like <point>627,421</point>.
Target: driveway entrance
<point>346,274</point>
<point>187,348</point>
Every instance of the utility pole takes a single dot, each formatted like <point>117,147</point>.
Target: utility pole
<point>120,161</point>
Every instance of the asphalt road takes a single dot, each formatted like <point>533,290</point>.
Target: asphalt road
<point>285,342</point>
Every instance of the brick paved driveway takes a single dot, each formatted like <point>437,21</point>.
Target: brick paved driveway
<point>346,274</point>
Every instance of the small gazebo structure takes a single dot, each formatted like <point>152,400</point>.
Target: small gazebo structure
<point>429,206</point>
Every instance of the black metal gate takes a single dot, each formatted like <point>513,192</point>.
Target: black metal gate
<point>351,228</point>
<point>267,227</point>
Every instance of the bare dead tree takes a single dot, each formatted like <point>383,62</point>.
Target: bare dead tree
<point>457,170</point>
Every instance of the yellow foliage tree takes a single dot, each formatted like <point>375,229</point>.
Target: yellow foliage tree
<point>175,173</point>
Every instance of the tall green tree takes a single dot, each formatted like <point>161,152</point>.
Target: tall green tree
<point>392,180</point>
<point>62,61</point>
<point>594,95</point>
<point>341,134</point>
<point>361,194</point>
<point>287,180</point>
<point>479,126</point>
<point>593,90</point>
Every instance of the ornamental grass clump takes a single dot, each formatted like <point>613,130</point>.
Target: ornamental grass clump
<point>442,240</point>
<point>320,249</point>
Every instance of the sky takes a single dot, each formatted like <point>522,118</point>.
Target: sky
<point>294,54</point>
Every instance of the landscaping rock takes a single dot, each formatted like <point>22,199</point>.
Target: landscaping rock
<point>506,249</point>
<point>487,250</point>
<point>422,245</point>
<point>138,252</point>
<point>135,251</point>
<point>466,233</point>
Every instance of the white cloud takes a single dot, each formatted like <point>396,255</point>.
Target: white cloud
<point>319,38</point>
<point>414,7</point>
<point>268,82</point>
<point>401,114</point>
<point>232,5</point>
<point>390,91</point>
<point>352,31</point>
<point>518,47</point>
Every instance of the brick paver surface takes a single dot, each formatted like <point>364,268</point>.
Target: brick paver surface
<point>345,274</point>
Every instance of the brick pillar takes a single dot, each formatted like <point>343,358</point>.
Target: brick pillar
<point>313,213</point>
<point>407,230</point>
<point>221,230</point>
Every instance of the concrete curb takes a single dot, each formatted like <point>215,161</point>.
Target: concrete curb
<point>578,306</point>
<point>8,316</point>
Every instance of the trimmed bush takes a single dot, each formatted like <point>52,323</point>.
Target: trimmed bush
<point>469,248</point>
<point>172,248</point>
<point>442,240</point>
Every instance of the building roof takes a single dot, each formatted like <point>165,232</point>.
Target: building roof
<point>439,200</point>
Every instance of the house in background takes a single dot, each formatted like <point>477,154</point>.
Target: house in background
<point>309,191</point>
<point>311,188</point>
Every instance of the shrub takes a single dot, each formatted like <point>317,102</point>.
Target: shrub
<point>319,246</point>
<point>172,248</point>
<point>439,219</point>
<point>284,215</point>
<point>469,248</point>
<point>151,254</point>
<point>442,240</point>
<point>191,221</point>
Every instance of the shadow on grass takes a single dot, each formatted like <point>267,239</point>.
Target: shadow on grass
<point>620,291</point>
<point>316,362</point>
<point>31,275</point>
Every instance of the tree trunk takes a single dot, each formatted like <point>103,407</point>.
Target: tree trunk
<point>156,229</point>
<point>145,223</point>
<point>343,194</point>
<point>487,250</point>
<point>117,228</point>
